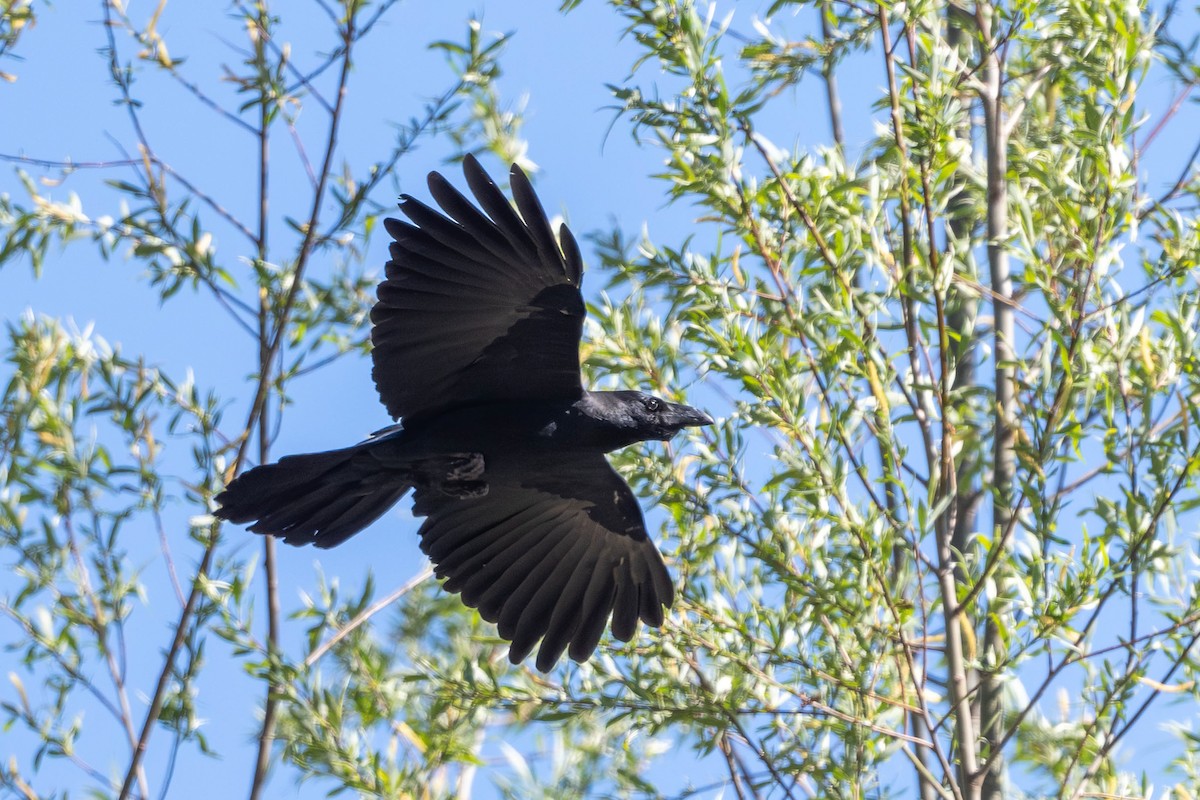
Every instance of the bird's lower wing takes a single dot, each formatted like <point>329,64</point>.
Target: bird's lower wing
<point>549,552</point>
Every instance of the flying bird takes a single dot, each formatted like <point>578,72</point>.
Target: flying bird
<point>475,337</point>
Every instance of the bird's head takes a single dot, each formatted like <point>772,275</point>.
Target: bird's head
<point>662,419</point>
<point>637,416</point>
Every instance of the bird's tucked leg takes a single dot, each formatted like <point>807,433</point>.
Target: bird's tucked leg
<point>464,490</point>
<point>463,471</point>
<point>464,467</point>
<point>453,474</point>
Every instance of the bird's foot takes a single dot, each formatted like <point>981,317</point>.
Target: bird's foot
<point>455,475</point>
<point>461,467</point>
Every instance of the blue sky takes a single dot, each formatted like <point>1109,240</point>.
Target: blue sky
<point>61,107</point>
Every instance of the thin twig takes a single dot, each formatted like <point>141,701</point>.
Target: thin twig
<point>165,547</point>
<point>68,165</point>
<point>100,626</point>
<point>70,670</point>
<point>147,41</point>
<point>733,718</point>
<point>366,614</point>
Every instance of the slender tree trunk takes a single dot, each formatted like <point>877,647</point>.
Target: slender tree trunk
<point>831,86</point>
<point>266,734</point>
<point>963,308</point>
<point>1004,453</point>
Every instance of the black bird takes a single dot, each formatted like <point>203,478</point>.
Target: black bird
<point>476,347</point>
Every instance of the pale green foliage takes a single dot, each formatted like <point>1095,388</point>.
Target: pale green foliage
<point>819,304</point>
<point>835,307</point>
<point>81,446</point>
<point>16,18</point>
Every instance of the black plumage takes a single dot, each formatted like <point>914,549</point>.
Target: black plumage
<point>476,348</point>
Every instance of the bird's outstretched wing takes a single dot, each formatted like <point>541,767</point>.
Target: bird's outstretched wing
<point>554,546</point>
<point>477,307</point>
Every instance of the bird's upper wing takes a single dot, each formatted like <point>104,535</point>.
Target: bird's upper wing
<point>554,547</point>
<point>477,307</point>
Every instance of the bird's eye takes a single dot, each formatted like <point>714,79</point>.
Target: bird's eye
<point>654,404</point>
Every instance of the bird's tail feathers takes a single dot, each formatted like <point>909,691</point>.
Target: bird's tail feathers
<point>315,498</point>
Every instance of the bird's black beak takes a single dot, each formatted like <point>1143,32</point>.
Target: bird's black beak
<point>681,416</point>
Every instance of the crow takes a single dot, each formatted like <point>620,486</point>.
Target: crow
<point>476,335</point>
